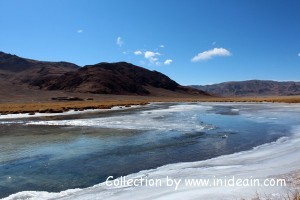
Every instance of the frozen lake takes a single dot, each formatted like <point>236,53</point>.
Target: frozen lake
<point>56,153</point>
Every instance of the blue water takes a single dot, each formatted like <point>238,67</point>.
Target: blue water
<point>58,153</point>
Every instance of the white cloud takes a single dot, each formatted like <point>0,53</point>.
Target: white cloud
<point>152,57</point>
<point>162,46</point>
<point>79,31</point>
<point>205,55</point>
<point>298,54</point>
<point>138,52</point>
<point>120,41</point>
<point>168,62</point>
<point>151,54</point>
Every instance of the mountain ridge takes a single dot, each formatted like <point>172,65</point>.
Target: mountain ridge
<point>103,78</point>
<point>252,88</point>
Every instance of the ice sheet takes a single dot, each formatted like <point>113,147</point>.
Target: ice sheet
<point>266,161</point>
<point>178,117</point>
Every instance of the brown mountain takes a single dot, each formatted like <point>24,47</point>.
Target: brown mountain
<point>32,72</point>
<point>252,88</point>
<point>113,78</point>
<point>103,78</point>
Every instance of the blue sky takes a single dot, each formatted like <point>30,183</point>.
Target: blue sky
<point>193,42</point>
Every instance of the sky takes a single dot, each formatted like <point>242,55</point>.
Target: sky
<point>192,41</point>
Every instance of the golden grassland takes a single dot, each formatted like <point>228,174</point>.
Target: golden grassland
<point>276,99</point>
<point>60,106</point>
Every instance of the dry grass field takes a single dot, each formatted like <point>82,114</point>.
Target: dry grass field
<point>108,101</point>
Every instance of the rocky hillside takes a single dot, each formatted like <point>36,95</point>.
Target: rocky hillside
<point>252,88</point>
<point>112,78</point>
<point>103,78</point>
<point>31,72</point>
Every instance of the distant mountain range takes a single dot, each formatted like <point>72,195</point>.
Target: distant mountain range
<point>103,78</point>
<point>252,88</point>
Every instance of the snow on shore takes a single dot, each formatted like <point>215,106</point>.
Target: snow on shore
<point>70,112</point>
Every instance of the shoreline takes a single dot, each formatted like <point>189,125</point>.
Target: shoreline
<point>32,108</point>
